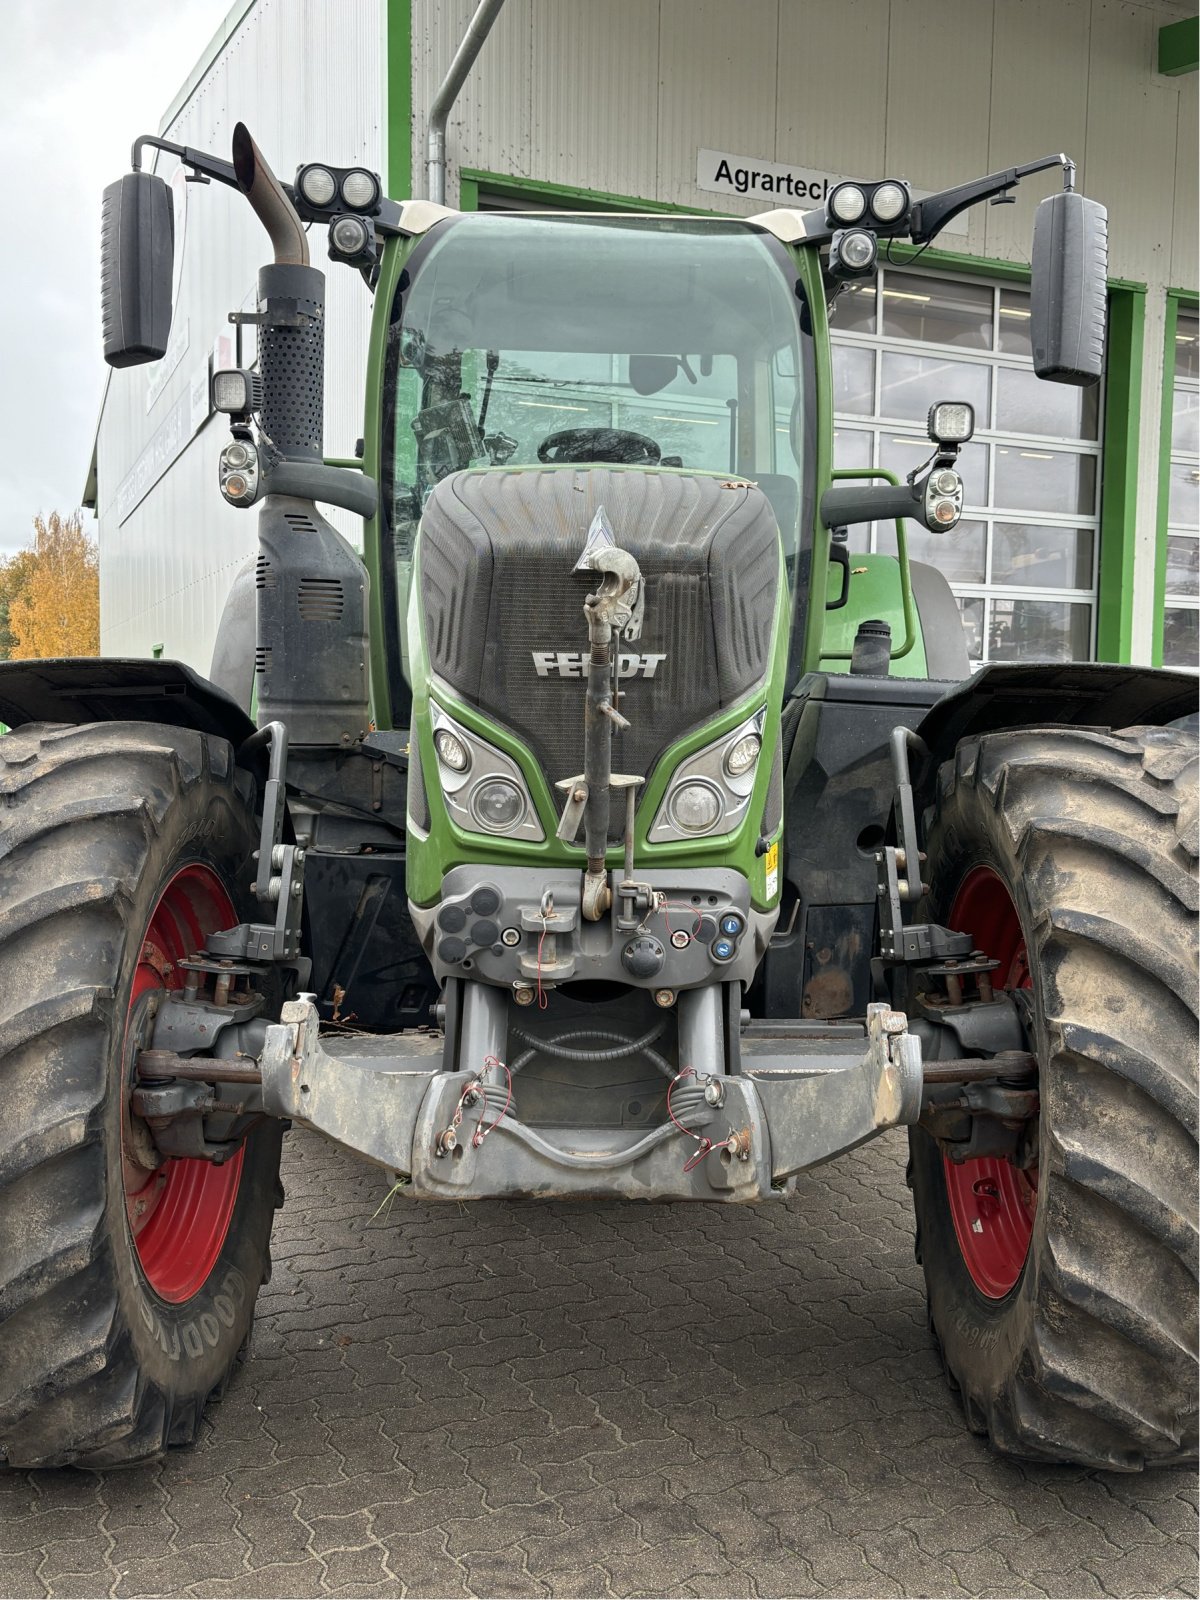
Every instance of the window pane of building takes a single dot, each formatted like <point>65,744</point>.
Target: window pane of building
<point>911,384</point>
<point>1039,630</point>
<point>1042,557</point>
<point>1187,346</point>
<point>1027,404</point>
<point>853,378</point>
<point>971,612</point>
<point>1183,509</point>
<point>854,309</point>
<point>1181,636</point>
<point>959,555</point>
<point>851,447</point>
<point>1014,323</point>
<point>937,310</point>
<point>1183,564</point>
<point>1028,479</point>
<point>1185,431</point>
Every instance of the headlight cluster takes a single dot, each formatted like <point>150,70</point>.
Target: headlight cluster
<point>885,203</point>
<point>327,188</point>
<point>710,791</point>
<point>484,790</point>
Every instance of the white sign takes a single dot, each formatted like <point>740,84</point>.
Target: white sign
<point>780,184</point>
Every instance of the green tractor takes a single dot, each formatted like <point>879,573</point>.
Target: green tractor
<point>607,829</point>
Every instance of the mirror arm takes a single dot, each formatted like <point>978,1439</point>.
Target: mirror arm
<point>208,166</point>
<point>930,216</point>
<point>847,504</point>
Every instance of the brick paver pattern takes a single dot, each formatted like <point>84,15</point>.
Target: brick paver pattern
<point>525,1399</point>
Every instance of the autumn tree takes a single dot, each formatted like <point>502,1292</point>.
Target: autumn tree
<point>51,591</point>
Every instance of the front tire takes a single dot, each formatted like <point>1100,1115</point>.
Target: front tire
<point>126,1295</point>
<point>1063,1300</point>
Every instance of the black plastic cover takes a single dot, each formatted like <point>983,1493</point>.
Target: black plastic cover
<point>1069,288</point>
<point>137,242</point>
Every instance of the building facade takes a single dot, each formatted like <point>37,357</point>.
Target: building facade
<point>1080,539</point>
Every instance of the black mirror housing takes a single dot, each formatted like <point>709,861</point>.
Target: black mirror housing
<point>137,241</point>
<point>1069,288</point>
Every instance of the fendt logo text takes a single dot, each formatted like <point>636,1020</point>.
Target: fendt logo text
<point>574,664</point>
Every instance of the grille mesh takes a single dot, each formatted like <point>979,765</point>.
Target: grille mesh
<point>497,551</point>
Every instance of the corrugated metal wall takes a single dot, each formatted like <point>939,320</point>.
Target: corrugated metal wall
<point>306,77</point>
<point>619,95</point>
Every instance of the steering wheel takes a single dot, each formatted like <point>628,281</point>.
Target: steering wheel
<point>614,446</point>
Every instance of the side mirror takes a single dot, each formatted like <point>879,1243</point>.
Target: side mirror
<point>1069,288</point>
<point>137,241</point>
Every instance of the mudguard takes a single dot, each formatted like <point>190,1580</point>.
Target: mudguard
<point>96,689</point>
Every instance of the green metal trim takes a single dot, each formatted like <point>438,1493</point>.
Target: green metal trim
<point>397,98</point>
<point>1179,47</point>
<point>1177,300</point>
<point>1118,499</point>
<point>471,180</point>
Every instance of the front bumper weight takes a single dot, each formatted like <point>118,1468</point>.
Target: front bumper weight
<point>392,1100</point>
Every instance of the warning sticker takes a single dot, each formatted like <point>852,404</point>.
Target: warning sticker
<point>772,865</point>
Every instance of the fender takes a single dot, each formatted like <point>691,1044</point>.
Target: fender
<point>1044,694</point>
<point>97,689</point>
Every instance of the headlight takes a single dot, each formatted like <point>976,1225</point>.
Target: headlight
<point>452,752</point>
<point>742,754</point>
<point>712,788</point>
<point>889,202</point>
<point>696,807</point>
<point>852,253</point>
<point>847,202</point>
<point>483,787</point>
<point>497,805</point>
<point>359,189</point>
<point>317,185</point>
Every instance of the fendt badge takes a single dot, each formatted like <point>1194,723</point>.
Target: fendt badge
<point>574,664</point>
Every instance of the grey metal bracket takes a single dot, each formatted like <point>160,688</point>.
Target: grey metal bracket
<point>279,879</point>
<point>898,875</point>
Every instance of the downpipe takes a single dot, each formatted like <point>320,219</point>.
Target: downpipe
<point>478,29</point>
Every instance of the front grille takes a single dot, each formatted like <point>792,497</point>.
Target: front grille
<point>497,552</point>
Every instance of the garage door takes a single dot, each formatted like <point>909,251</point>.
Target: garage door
<point>1023,560</point>
<point>1181,635</point>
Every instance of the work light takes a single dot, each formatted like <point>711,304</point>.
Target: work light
<point>317,185</point>
<point>236,391</point>
<point>360,189</point>
<point>951,421</point>
<point>352,239</point>
<point>889,201</point>
<point>847,203</point>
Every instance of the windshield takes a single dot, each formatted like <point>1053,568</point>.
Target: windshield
<point>524,338</point>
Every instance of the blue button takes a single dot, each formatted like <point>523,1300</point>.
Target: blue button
<point>731,925</point>
<point>723,949</point>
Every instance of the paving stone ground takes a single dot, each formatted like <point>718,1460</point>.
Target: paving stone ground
<point>593,1400</point>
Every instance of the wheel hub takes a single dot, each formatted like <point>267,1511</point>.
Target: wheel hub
<point>992,1202</point>
<point>178,1210</point>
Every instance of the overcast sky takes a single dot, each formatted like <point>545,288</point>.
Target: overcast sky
<point>79,79</point>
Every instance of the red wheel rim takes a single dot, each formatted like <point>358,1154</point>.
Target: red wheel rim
<point>179,1213</point>
<point>992,1202</point>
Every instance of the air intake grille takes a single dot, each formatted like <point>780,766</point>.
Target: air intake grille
<point>262,659</point>
<point>265,576</point>
<point>321,599</point>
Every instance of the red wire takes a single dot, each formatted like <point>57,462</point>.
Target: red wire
<point>481,1132</point>
<point>704,1144</point>
<point>696,914</point>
